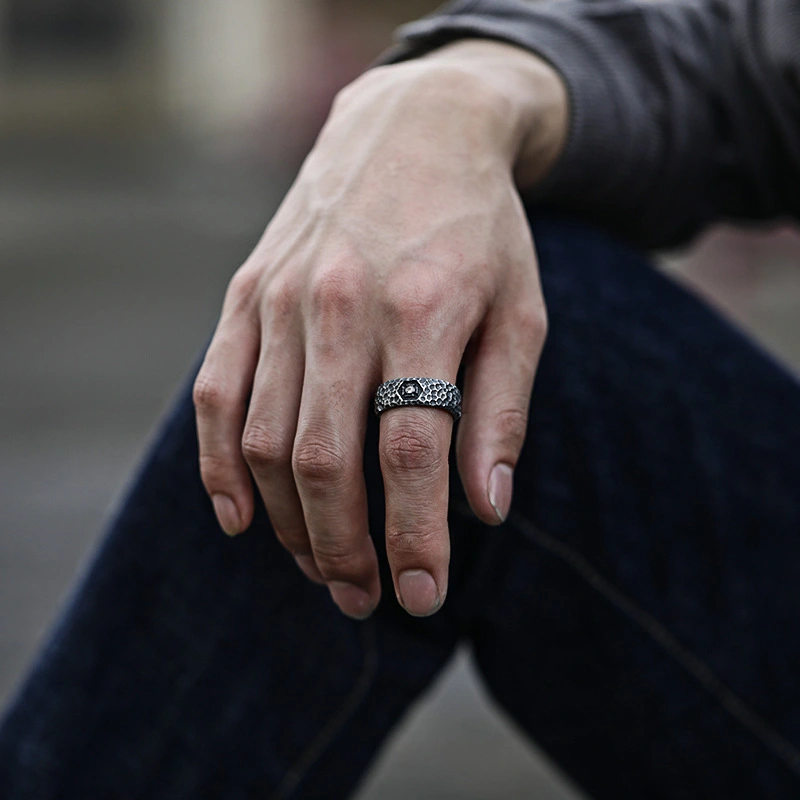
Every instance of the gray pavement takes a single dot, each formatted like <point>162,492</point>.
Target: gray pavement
<point>113,261</point>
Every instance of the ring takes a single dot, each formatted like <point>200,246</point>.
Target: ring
<point>431,392</point>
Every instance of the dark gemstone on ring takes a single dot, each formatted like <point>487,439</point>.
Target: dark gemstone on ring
<point>410,390</point>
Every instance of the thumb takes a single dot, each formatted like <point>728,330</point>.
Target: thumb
<point>498,381</point>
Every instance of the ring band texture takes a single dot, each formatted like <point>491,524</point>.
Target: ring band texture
<point>430,392</point>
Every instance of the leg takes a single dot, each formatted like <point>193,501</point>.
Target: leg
<point>194,666</point>
<point>642,617</point>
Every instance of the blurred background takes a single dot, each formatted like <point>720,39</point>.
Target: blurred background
<point>144,145</point>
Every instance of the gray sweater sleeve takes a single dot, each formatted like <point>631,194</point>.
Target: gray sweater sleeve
<point>682,111</point>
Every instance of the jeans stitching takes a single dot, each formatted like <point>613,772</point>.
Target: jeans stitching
<point>691,662</point>
<point>295,774</point>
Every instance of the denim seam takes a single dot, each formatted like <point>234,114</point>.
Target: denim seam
<point>690,661</point>
<point>295,774</point>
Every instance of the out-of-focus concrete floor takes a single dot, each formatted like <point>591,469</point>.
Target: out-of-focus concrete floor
<point>113,261</point>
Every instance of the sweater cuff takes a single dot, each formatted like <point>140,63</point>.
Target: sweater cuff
<point>601,133</point>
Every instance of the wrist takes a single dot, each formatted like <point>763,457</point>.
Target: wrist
<point>494,92</point>
<point>532,95</point>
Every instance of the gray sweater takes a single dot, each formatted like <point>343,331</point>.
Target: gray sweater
<point>682,111</point>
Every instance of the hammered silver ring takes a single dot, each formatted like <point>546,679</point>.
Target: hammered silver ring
<point>430,392</point>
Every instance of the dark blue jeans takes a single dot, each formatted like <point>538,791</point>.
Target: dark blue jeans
<point>638,615</point>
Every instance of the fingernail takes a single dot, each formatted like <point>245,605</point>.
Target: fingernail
<point>418,593</point>
<point>351,599</point>
<point>309,568</point>
<point>226,512</point>
<point>501,487</point>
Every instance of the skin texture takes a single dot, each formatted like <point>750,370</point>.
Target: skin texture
<point>401,249</point>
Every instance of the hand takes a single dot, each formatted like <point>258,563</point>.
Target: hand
<point>402,249</point>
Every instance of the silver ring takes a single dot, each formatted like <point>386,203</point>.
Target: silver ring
<point>431,392</point>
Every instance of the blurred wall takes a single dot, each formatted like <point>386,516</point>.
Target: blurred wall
<point>71,65</point>
<point>208,68</point>
<point>222,61</point>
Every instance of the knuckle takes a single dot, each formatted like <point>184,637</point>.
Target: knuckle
<point>414,304</point>
<point>281,298</point>
<point>214,470</point>
<point>242,286</point>
<point>336,291</point>
<point>282,293</point>
<point>263,450</point>
<point>294,538</point>
<point>511,424</point>
<point>316,461</point>
<point>209,394</point>
<point>336,560</point>
<point>403,542</point>
<point>533,324</point>
<point>407,448</point>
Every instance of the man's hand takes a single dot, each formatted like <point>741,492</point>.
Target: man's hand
<point>402,249</point>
